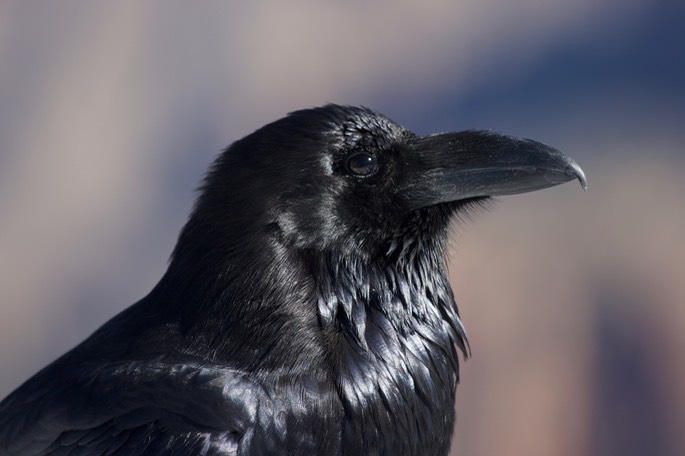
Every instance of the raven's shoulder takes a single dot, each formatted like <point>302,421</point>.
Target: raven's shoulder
<point>131,407</point>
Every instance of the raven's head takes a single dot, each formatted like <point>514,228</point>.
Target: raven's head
<point>347,179</point>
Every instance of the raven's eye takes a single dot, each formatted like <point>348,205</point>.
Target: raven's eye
<point>362,164</point>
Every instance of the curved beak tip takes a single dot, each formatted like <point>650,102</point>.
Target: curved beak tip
<point>580,175</point>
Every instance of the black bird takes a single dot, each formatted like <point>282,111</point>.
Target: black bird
<point>305,310</point>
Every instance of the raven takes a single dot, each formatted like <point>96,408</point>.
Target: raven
<point>306,307</point>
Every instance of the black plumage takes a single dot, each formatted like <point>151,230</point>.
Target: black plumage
<point>306,308</point>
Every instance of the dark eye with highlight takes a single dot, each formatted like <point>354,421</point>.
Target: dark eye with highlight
<point>362,164</point>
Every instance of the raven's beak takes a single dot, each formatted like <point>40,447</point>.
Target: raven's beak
<point>456,166</point>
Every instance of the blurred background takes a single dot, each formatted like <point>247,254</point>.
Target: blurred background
<point>110,112</point>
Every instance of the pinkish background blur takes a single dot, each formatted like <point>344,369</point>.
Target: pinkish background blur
<point>575,302</point>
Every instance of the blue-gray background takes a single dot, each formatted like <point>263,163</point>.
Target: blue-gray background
<point>575,302</point>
